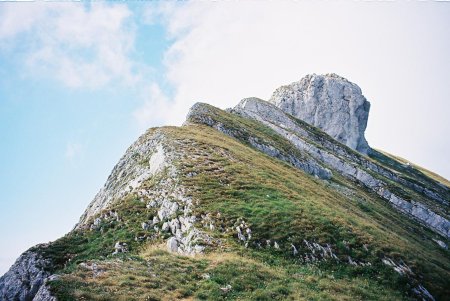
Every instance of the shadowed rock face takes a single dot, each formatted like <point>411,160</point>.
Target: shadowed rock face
<point>25,278</point>
<point>331,103</point>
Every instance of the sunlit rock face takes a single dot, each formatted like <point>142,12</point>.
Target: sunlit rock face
<point>331,103</point>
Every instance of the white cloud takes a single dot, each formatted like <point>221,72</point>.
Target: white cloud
<point>80,45</point>
<point>18,17</point>
<point>226,50</point>
<point>154,109</point>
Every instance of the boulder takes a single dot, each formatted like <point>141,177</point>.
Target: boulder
<point>172,245</point>
<point>120,247</point>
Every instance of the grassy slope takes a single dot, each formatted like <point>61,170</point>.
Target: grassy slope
<point>287,205</point>
<point>279,203</point>
<point>244,128</point>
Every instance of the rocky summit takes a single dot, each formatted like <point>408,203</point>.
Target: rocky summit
<point>329,102</point>
<point>269,200</point>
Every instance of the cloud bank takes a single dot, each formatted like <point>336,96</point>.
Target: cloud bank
<point>81,46</point>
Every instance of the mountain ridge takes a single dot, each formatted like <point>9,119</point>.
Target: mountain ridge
<point>263,190</point>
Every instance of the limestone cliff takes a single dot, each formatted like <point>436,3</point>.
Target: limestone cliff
<point>329,102</point>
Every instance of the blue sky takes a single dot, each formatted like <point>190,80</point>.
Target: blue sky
<point>79,82</point>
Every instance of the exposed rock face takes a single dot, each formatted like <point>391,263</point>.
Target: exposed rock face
<point>331,103</point>
<point>44,294</point>
<point>25,279</point>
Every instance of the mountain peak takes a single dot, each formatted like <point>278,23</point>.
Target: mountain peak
<point>253,195</point>
<point>329,102</point>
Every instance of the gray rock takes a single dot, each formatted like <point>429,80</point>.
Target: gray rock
<point>44,294</point>
<point>422,293</point>
<point>403,269</point>
<point>399,267</point>
<point>145,226</point>
<point>155,220</point>
<point>120,247</point>
<point>351,261</point>
<point>151,204</point>
<point>167,209</point>
<point>226,289</point>
<point>96,223</point>
<point>25,278</point>
<point>441,244</point>
<point>172,245</point>
<point>331,103</point>
<point>165,227</point>
<point>174,225</point>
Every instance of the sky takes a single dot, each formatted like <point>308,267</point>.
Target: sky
<point>80,81</point>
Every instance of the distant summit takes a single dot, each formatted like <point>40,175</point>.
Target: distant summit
<point>329,102</point>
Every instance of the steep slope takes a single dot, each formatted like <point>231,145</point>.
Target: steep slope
<point>250,204</point>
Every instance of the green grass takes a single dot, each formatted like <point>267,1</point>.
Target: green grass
<point>163,276</point>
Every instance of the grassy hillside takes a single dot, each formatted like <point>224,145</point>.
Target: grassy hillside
<point>404,181</point>
<point>233,184</point>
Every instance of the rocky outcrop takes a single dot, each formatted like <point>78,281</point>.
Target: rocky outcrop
<point>44,294</point>
<point>25,280</point>
<point>140,162</point>
<point>173,212</point>
<point>420,292</point>
<point>329,102</point>
<point>150,158</point>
